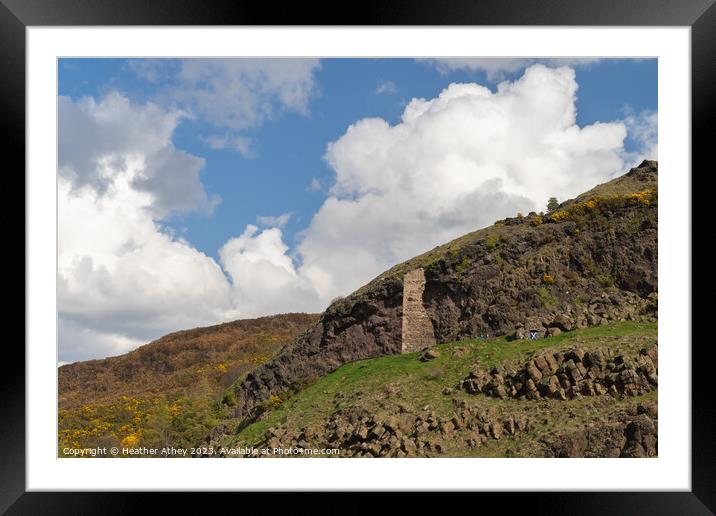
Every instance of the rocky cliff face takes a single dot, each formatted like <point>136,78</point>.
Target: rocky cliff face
<point>591,261</point>
<point>587,263</point>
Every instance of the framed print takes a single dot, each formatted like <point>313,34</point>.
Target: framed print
<point>418,249</point>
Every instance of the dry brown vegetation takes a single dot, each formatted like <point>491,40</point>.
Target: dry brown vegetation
<point>223,353</point>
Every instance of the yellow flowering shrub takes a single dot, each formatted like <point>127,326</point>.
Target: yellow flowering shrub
<point>576,210</point>
<point>130,441</point>
<point>175,409</point>
<point>591,204</point>
<point>641,198</point>
<point>558,216</point>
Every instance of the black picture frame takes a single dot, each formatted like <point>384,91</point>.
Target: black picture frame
<point>700,15</point>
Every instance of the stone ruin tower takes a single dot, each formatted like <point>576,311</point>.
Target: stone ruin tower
<point>418,330</point>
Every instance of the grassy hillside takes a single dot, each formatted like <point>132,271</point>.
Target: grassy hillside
<point>403,387</point>
<point>590,261</point>
<point>167,392</point>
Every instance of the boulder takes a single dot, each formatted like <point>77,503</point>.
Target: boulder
<point>551,362</point>
<point>496,429</point>
<point>500,391</point>
<point>653,353</point>
<point>361,432</point>
<point>562,322</point>
<point>446,427</point>
<point>533,372</point>
<point>542,365</point>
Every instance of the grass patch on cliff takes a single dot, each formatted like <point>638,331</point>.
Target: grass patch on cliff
<point>380,384</point>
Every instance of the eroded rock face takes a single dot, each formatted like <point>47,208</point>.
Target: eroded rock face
<point>417,327</point>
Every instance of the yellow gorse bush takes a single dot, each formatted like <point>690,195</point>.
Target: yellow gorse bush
<point>558,216</point>
<point>130,441</point>
<point>642,198</point>
<point>589,205</point>
<point>645,198</point>
<point>175,409</point>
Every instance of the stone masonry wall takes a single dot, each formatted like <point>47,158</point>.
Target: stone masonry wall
<point>418,330</point>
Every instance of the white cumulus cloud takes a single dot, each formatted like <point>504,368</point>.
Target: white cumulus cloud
<point>263,275</point>
<point>643,130</point>
<point>122,278</point>
<point>97,139</point>
<point>120,275</point>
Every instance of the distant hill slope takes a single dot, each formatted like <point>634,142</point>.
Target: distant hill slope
<point>183,369</point>
<point>590,262</point>
<point>230,349</point>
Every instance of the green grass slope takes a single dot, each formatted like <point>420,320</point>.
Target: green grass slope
<point>402,386</point>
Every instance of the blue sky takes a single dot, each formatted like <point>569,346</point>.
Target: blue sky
<point>148,146</point>
<point>289,150</point>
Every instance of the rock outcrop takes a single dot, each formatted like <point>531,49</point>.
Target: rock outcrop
<point>357,433</point>
<point>566,375</point>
